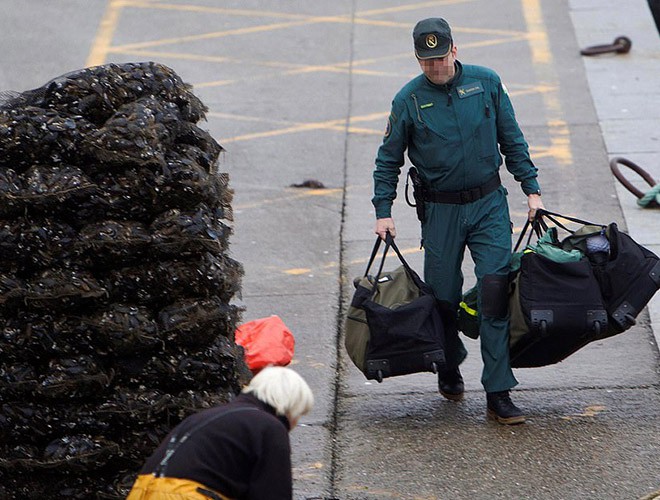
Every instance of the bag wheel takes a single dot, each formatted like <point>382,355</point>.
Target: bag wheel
<point>379,376</point>
<point>434,367</point>
<point>544,328</point>
<point>597,327</point>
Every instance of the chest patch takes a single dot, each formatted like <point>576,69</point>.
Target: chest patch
<point>469,89</point>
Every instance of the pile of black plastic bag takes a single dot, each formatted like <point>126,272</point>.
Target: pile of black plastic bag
<point>115,285</point>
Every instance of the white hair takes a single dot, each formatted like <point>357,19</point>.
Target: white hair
<point>283,389</point>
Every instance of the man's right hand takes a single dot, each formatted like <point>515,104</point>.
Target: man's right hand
<point>383,226</point>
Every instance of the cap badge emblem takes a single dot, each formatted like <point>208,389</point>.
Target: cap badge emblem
<point>431,41</point>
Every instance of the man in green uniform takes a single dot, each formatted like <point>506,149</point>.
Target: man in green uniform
<point>451,119</point>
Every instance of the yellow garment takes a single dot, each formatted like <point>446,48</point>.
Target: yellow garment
<point>149,487</point>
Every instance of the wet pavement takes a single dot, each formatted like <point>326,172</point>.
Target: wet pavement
<point>301,90</point>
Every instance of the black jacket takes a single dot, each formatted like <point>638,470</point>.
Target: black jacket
<point>244,454</point>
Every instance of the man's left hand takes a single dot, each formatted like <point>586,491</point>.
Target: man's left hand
<point>534,202</point>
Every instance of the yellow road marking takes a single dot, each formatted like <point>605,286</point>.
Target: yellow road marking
<point>490,43</point>
<point>339,124</point>
<point>305,127</point>
<point>346,67</point>
<point>293,69</point>
<point>538,38</point>
<point>183,55</point>
<point>334,265</point>
<point>298,271</point>
<point>544,68</point>
<point>220,10</point>
<point>533,89</point>
<point>303,194</point>
<point>239,31</point>
<point>106,31</point>
<point>208,36</point>
<point>413,6</point>
<point>246,118</point>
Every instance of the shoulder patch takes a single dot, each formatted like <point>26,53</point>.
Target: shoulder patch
<point>469,89</point>
<point>388,126</point>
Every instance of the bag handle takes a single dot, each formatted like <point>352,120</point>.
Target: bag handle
<point>374,252</point>
<point>545,213</point>
<point>539,225</point>
<point>389,243</point>
<point>398,253</point>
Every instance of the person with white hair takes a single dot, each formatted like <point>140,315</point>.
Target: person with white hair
<point>239,450</point>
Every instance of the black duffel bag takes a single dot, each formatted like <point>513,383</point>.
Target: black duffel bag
<point>627,275</point>
<point>556,303</point>
<point>394,325</point>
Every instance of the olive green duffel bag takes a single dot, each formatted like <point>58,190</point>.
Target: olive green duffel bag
<point>393,326</point>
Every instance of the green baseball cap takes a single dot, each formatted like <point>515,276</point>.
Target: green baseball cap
<point>432,38</point>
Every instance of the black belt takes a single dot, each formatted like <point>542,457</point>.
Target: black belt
<point>463,197</point>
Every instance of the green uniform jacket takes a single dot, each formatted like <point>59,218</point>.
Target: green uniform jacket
<point>452,133</point>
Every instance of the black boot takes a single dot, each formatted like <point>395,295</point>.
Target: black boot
<point>502,409</point>
<point>450,384</point>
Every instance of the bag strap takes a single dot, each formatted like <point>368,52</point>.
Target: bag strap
<point>546,213</point>
<point>522,235</point>
<point>539,225</point>
<point>389,243</point>
<point>374,252</point>
<point>175,442</point>
<point>398,253</point>
<point>552,215</point>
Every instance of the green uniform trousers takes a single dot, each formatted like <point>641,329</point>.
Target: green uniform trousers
<point>484,227</point>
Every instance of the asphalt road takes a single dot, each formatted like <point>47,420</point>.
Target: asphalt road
<point>300,91</point>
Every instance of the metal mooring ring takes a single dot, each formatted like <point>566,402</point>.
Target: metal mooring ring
<point>621,45</point>
<point>614,166</point>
